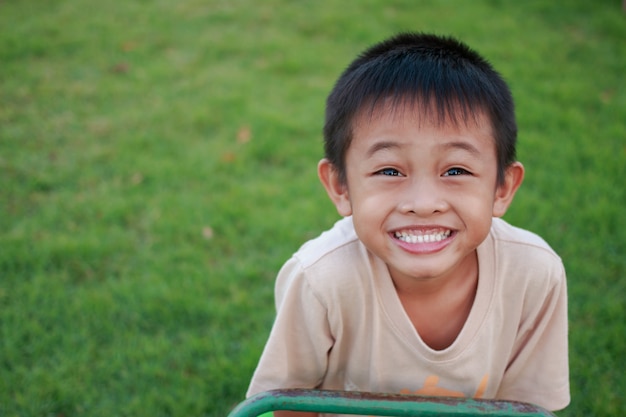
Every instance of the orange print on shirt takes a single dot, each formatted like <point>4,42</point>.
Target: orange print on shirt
<point>431,388</point>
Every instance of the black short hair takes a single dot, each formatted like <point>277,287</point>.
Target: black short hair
<point>439,74</point>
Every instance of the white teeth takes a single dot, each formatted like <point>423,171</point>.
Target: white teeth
<point>412,236</point>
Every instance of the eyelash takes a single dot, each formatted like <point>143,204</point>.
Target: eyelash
<point>389,172</point>
<point>457,170</point>
<point>452,172</point>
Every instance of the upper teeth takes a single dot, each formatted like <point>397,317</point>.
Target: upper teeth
<point>421,237</point>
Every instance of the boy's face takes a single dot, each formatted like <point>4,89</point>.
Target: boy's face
<point>422,195</point>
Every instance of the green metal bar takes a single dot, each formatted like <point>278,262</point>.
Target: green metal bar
<point>378,404</point>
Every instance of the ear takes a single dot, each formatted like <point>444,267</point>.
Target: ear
<point>505,192</point>
<point>336,189</point>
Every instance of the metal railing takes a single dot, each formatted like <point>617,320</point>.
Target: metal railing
<point>379,404</point>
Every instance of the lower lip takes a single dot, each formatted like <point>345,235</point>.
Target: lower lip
<point>423,248</point>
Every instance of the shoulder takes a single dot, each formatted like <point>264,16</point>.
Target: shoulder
<point>338,240</point>
<point>524,258</point>
<point>329,266</point>
<point>521,244</point>
<point>505,232</point>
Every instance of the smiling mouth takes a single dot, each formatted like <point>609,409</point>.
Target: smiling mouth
<point>419,236</point>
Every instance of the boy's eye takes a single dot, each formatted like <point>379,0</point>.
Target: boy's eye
<point>455,171</point>
<point>389,172</point>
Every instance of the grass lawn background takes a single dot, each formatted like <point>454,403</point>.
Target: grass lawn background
<point>157,167</point>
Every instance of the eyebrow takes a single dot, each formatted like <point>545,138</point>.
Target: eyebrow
<point>381,146</point>
<point>468,147</point>
<point>385,145</point>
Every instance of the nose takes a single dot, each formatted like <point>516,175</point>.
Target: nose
<point>423,197</point>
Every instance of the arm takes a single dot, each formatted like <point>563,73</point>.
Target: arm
<point>295,355</point>
<point>538,371</point>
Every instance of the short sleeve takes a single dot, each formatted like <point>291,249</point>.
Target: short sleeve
<point>296,353</point>
<point>538,371</point>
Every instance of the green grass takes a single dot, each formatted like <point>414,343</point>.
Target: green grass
<point>157,166</point>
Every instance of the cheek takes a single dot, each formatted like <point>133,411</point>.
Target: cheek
<point>374,199</point>
<point>476,204</point>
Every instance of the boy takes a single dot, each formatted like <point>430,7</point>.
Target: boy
<point>421,288</point>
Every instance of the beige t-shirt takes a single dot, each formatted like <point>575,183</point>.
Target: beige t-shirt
<point>340,325</point>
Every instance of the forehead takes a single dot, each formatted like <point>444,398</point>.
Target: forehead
<point>452,119</point>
